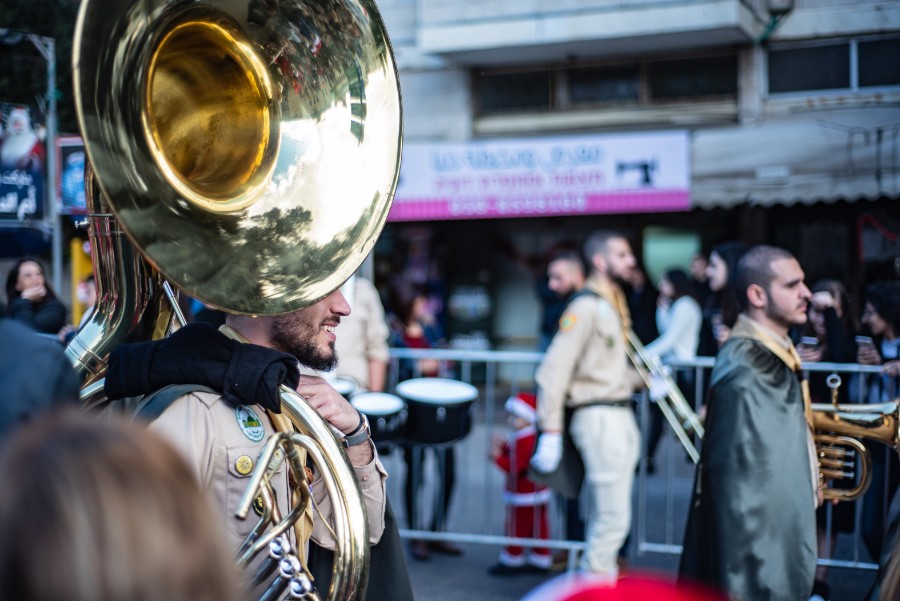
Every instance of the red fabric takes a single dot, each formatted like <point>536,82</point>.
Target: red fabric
<point>420,342</point>
<point>523,521</point>
<point>630,588</point>
<point>514,461</point>
<point>527,522</point>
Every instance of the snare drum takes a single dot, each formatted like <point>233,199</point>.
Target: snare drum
<point>386,413</point>
<point>346,386</point>
<point>439,410</point>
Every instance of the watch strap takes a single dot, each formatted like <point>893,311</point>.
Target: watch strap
<point>360,436</point>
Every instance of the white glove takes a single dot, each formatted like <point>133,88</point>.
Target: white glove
<point>658,388</point>
<point>548,452</point>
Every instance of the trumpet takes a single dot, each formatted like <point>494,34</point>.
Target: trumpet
<point>678,412</point>
<point>839,431</point>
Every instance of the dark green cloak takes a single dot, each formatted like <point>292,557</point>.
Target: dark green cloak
<point>751,530</point>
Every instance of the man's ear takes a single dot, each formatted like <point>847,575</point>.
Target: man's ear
<point>599,262</point>
<point>756,296</point>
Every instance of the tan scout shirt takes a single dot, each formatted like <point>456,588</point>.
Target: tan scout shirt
<point>363,335</point>
<point>586,361</point>
<point>221,445</point>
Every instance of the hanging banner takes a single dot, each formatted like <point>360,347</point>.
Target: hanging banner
<point>22,163</point>
<point>70,187</point>
<point>531,177</point>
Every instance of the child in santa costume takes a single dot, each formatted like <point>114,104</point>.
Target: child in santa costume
<point>526,501</point>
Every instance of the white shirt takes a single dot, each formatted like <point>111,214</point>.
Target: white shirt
<point>679,328</point>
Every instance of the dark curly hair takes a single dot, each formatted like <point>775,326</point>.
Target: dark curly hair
<point>12,279</point>
<point>885,299</point>
<point>727,299</point>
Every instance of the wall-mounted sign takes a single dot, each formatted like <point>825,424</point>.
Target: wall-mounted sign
<point>530,177</point>
<point>70,153</point>
<point>22,163</point>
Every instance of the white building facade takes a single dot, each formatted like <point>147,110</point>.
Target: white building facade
<point>784,100</point>
<point>779,103</point>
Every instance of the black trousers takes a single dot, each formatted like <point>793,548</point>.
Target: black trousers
<point>685,382</point>
<point>414,456</point>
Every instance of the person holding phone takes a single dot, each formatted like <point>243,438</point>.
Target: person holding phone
<point>881,318</point>
<point>828,336</point>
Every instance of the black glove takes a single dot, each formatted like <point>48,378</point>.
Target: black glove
<point>245,374</point>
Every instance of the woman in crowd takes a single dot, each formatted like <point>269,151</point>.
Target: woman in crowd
<point>881,318</point>
<point>95,511</point>
<point>722,308</point>
<point>31,299</point>
<point>678,318</point>
<point>828,337</point>
<point>413,325</point>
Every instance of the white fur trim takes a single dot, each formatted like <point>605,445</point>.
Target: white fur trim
<point>526,499</point>
<point>520,408</point>
<point>513,561</point>
<point>544,561</point>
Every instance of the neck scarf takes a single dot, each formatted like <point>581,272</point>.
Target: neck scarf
<point>612,293</point>
<point>784,349</point>
<point>280,422</point>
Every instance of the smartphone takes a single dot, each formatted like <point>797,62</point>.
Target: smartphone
<point>865,341</point>
<point>809,341</point>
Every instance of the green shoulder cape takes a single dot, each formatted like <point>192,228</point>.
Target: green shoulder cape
<point>751,529</point>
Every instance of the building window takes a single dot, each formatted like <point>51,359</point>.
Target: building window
<point>503,92</point>
<point>852,64</point>
<point>695,78</point>
<point>638,84</point>
<point>879,63</point>
<point>604,85</point>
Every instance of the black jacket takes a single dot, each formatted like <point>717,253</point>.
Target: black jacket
<point>35,376</point>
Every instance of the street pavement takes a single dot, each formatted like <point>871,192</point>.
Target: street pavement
<point>476,508</point>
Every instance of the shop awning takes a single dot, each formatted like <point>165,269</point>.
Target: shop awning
<point>804,157</point>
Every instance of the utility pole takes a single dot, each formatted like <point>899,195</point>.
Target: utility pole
<point>47,47</point>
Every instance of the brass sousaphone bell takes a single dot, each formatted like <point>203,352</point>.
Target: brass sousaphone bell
<point>249,150</point>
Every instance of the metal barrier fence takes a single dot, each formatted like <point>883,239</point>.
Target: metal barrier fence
<point>476,512</point>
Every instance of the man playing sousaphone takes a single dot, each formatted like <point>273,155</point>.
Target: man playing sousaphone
<point>751,531</point>
<point>222,425</point>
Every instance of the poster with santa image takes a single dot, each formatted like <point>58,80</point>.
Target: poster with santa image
<point>22,166</point>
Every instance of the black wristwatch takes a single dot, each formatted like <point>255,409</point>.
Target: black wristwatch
<point>361,435</point>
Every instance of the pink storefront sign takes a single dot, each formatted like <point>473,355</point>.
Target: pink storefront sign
<point>577,175</point>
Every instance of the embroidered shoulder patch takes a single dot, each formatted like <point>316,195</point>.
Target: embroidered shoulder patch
<point>567,322</point>
<point>249,423</point>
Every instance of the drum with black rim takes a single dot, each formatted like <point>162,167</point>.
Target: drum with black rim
<point>386,413</point>
<point>439,410</point>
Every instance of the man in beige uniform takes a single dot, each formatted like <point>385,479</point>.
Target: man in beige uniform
<point>362,342</point>
<point>586,368</point>
<point>222,442</point>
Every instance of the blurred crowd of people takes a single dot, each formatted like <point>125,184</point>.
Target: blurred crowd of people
<point>691,311</point>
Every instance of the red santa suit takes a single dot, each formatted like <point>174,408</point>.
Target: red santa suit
<point>526,501</point>
<point>21,148</point>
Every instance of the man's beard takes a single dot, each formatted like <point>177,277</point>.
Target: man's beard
<point>784,318</point>
<point>620,280</point>
<point>297,338</point>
